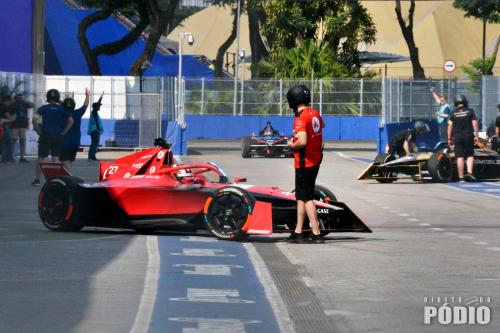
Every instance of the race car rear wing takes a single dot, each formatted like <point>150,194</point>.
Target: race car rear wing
<point>53,169</point>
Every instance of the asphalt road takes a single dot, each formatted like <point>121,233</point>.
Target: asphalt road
<point>429,241</point>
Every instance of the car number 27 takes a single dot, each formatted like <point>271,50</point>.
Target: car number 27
<point>111,170</point>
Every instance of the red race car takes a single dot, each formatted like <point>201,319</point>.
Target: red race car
<point>147,191</point>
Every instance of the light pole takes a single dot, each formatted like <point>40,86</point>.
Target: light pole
<point>242,57</point>
<point>180,104</point>
<point>236,58</point>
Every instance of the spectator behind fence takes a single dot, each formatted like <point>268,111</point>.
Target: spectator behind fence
<point>20,125</point>
<point>7,117</point>
<point>71,141</point>
<point>443,115</point>
<point>95,129</point>
<point>56,122</point>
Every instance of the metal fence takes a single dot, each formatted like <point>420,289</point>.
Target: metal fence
<point>261,97</point>
<point>151,100</point>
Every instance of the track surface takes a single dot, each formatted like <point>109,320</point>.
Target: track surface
<point>429,240</point>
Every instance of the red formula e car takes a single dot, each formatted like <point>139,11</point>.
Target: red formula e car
<point>146,191</point>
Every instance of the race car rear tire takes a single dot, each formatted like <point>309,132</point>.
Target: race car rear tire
<point>227,211</point>
<point>383,158</point>
<point>322,194</point>
<point>58,204</point>
<point>440,167</point>
<point>246,147</point>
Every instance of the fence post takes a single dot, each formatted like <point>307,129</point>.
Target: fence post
<point>399,99</point>
<point>483,103</point>
<point>321,97</point>
<point>383,89</point>
<point>411,100</point>
<point>241,96</point>
<point>361,87</point>
<point>66,86</point>
<point>390,100</point>
<point>112,97</point>
<point>202,107</point>
<point>281,97</point>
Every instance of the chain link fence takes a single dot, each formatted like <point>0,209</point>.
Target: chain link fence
<point>152,100</point>
<point>268,97</point>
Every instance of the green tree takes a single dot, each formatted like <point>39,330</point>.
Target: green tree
<point>341,25</point>
<point>407,30</point>
<point>153,17</point>
<point>488,11</point>
<point>310,60</point>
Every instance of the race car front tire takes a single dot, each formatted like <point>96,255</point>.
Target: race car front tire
<point>440,167</point>
<point>227,211</point>
<point>58,204</point>
<point>385,177</point>
<point>246,147</point>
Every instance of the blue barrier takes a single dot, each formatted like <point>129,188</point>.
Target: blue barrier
<point>218,127</point>
<point>429,139</point>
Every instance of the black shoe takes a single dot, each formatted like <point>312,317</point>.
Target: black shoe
<point>23,160</point>
<point>93,159</point>
<point>36,182</point>
<point>470,178</point>
<point>295,237</point>
<point>317,239</point>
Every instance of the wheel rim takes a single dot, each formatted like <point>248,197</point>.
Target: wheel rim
<point>55,204</point>
<point>228,213</point>
<point>445,167</point>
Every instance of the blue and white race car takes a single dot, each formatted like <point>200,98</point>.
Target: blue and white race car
<point>268,143</point>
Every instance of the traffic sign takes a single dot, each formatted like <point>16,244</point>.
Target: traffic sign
<point>449,66</point>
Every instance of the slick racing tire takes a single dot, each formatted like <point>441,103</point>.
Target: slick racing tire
<point>440,167</point>
<point>323,194</point>
<point>227,211</point>
<point>57,204</point>
<point>383,158</point>
<point>246,149</point>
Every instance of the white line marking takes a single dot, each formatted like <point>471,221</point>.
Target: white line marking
<point>272,294</point>
<point>148,298</point>
<point>404,215</point>
<point>481,243</point>
<point>437,229</point>
<point>201,295</point>
<point>468,191</point>
<point>222,270</point>
<point>425,224</point>
<point>203,253</point>
<point>350,158</point>
<point>412,219</point>
<point>465,237</point>
<point>209,325</point>
<point>451,233</point>
<point>199,239</point>
<point>494,248</point>
<point>385,207</point>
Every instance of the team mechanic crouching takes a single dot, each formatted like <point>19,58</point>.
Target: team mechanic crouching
<point>307,145</point>
<point>403,142</point>
<point>463,130</point>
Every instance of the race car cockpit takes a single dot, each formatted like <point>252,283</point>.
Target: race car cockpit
<point>268,130</point>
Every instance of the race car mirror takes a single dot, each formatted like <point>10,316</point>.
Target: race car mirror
<point>240,180</point>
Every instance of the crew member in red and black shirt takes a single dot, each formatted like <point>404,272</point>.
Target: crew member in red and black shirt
<point>307,145</point>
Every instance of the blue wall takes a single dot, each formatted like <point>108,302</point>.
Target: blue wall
<point>16,36</point>
<point>429,139</point>
<point>234,127</point>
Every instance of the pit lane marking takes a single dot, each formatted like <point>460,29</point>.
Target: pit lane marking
<point>199,239</point>
<point>494,248</point>
<point>413,219</point>
<point>201,295</point>
<point>202,269</point>
<point>148,299</point>
<point>425,224</point>
<point>481,243</point>
<point>203,253</point>
<point>437,229</point>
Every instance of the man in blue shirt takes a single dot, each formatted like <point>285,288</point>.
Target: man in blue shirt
<point>442,115</point>
<point>71,141</point>
<point>56,122</point>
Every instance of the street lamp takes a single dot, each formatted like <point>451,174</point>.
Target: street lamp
<point>180,104</point>
<point>242,58</point>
